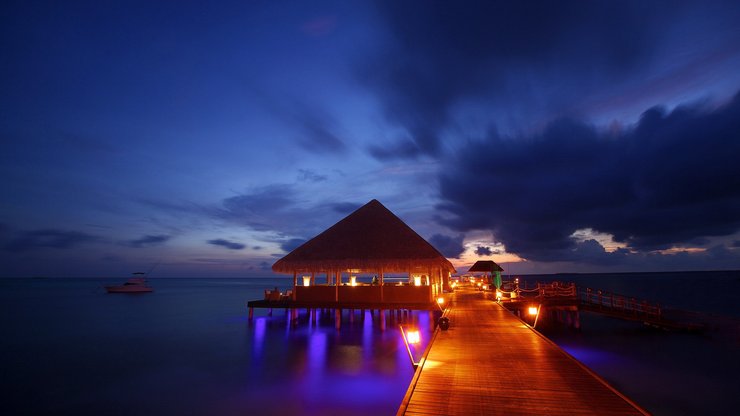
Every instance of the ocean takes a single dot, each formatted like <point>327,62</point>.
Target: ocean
<point>188,348</point>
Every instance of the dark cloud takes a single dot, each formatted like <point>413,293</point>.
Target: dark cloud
<point>451,247</point>
<point>147,241</point>
<point>292,244</point>
<point>318,132</point>
<point>316,129</point>
<point>305,175</point>
<point>281,209</point>
<point>257,248</point>
<point>51,238</point>
<point>226,243</point>
<point>671,180</point>
<point>402,149</point>
<point>263,209</point>
<point>443,54</point>
<point>174,207</point>
<point>736,243</point>
<point>483,251</point>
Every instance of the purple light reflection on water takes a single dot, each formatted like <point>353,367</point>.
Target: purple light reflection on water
<point>592,356</point>
<point>259,336</point>
<point>359,369</point>
<point>367,333</point>
<point>317,351</point>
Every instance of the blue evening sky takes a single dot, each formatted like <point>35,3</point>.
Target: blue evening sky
<point>211,138</point>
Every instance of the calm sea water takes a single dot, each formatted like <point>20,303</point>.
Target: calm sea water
<point>188,348</point>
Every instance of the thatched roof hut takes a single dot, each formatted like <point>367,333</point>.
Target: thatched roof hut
<point>371,239</point>
<point>487,266</point>
<point>492,270</point>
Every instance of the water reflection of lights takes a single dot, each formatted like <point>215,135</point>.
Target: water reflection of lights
<point>590,356</point>
<point>317,351</point>
<point>328,354</point>
<point>329,371</point>
<point>367,335</point>
<point>259,335</point>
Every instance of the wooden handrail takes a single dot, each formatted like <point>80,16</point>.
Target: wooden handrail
<point>618,302</point>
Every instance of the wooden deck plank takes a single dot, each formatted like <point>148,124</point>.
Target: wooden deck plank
<point>490,362</point>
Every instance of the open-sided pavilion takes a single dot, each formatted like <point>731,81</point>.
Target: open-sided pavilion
<point>370,241</point>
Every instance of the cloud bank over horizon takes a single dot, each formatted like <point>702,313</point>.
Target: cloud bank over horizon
<point>670,181</point>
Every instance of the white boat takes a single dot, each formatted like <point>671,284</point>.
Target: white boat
<point>136,284</point>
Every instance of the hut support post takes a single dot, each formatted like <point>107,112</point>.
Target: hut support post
<point>337,282</point>
<point>381,285</point>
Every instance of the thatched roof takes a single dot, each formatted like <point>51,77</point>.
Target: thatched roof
<point>485,266</point>
<point>370,239</point>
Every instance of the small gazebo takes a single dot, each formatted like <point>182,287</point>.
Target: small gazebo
<point>488,266</point>
<point>371,240</point>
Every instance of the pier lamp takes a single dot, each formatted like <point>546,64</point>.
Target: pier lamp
<point>440,302</point>
<point>413,337</point>
<point>417,280</point>
<point>485,287</point>
<point>409,338</point>
<point>499,294</point>
<point>353,280</point>
<point>306,280</point>
<point>535,311</point>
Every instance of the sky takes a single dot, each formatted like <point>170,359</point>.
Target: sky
<point>208,139</point>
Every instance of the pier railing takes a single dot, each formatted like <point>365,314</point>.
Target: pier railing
<point>596,300</point>
<point>607,301</point>
<point>545,290</point>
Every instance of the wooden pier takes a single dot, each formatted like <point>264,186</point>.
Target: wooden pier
<point>559,301</point>
<point>490,362</point>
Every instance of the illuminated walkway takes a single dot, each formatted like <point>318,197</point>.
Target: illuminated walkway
<point>489,362</point>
